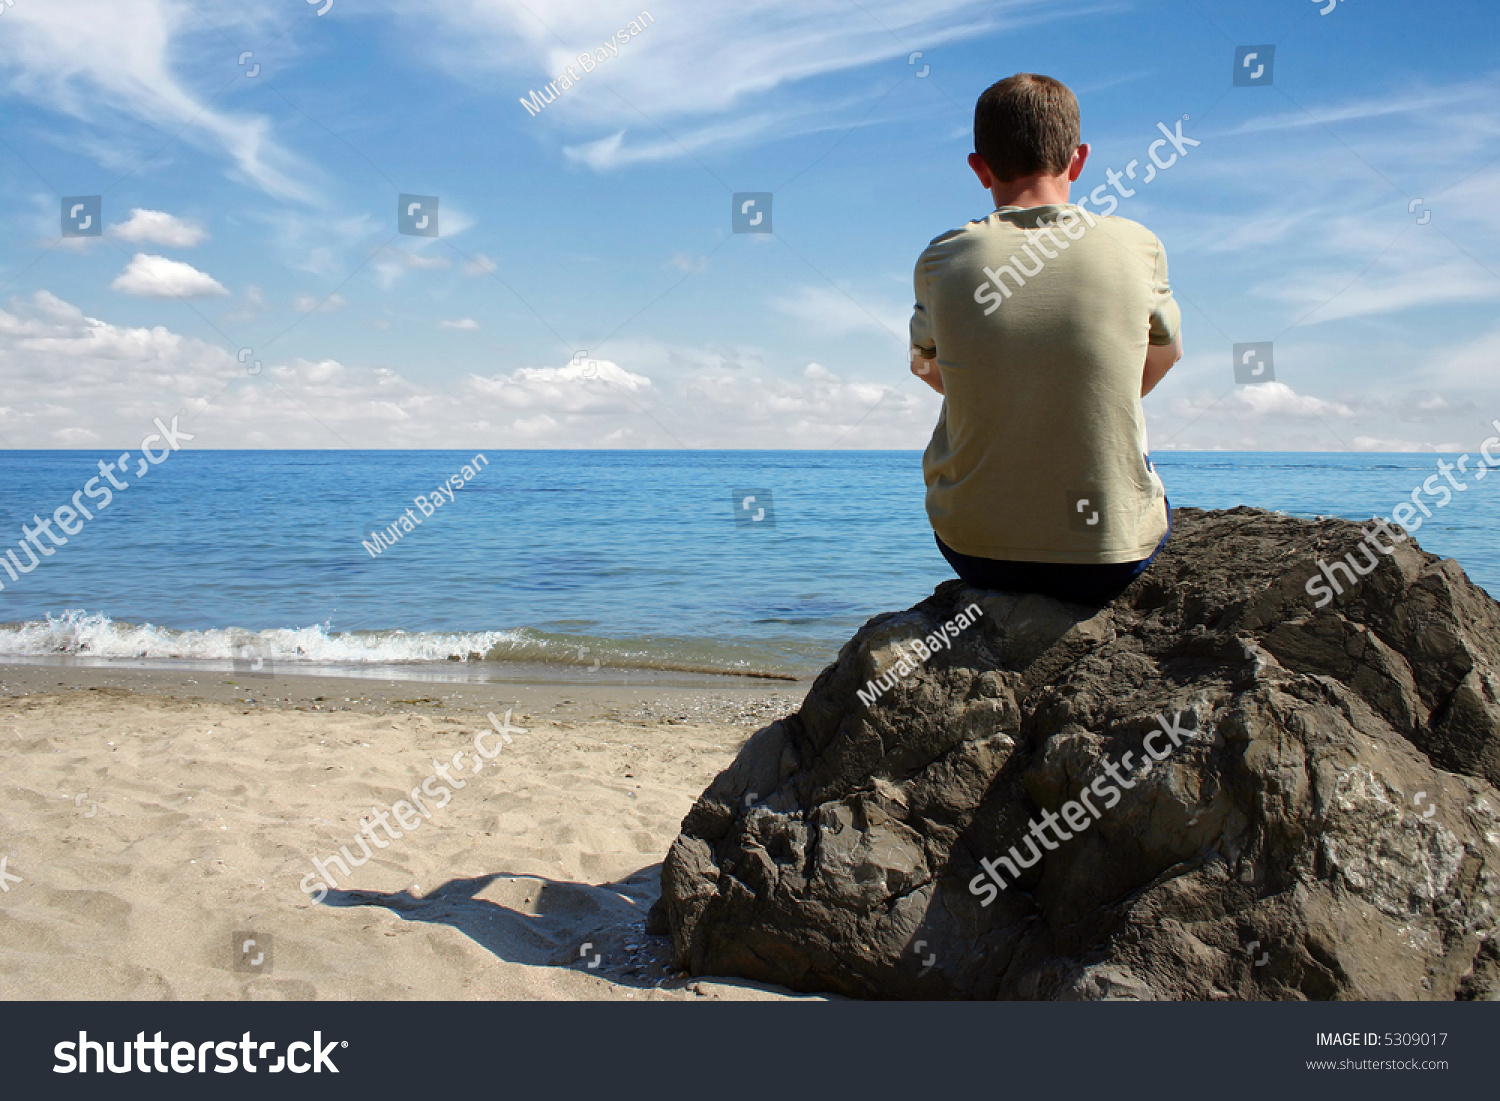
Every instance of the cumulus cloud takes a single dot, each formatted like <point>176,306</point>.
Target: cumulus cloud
<point>1425,405</point>
<point>465,324</point>
<point>1268,399</point>
<point>155,227</point>
<point>1377,443</point>
<point>82,381</point>
<point>1262,401</point>
<point>157,277</point>
<point>583,385</point>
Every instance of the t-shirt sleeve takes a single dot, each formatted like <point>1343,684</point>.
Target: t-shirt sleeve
<point>1166,317</point>
<point>921,321</point>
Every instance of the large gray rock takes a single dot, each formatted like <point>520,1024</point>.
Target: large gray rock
<point>1328,826</point>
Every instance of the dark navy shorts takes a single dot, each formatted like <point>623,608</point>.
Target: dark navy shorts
<point>1079,584</point>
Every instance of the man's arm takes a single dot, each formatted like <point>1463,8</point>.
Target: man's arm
<point>926,369</point>
<point>922,351</point>
<point>1164,328</point>
<point>1159,360</point>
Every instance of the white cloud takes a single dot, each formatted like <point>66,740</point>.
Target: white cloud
<point>99,60</point>
<point>1250,410</point>
<point>1277,399</point>
<point>1376,443</point>
<point>805,119</point>
<point>395,262</point>
<point>73,380</point>
<point>1425,405</point>
<point>480,265</point>
<point>1407,101</point>
<point>586,385</point>
<point>154,227</point>
<point>103,380</point>
<point>466,324</point>
<point>253,306</point>
<point>310,303</point>
<point>157,277</point>
<point>695,62</point>
<point>100,382</point>
<point>1399,281</point>
<point>1470,364</point>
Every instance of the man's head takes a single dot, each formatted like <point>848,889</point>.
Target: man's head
<point>1026,129</point>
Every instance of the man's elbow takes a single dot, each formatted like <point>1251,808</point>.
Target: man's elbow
<point>1171,353</point>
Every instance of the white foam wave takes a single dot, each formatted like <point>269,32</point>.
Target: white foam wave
<point>82,634</point>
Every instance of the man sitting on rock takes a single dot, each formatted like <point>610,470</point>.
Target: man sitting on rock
<point>1043,325</point>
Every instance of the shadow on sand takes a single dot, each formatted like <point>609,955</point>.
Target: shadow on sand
<point>544,922</point>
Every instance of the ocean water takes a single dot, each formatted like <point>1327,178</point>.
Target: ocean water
<point>559,558</point>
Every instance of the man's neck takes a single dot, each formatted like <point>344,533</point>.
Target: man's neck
<point>1031,191</point>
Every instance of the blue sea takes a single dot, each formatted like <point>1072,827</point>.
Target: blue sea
<point>553,560</point>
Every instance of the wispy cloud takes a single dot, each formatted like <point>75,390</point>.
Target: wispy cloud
<point>696,62</point>
<point>311,303</point>
<point>98,60</point>
<point>1406,102</point>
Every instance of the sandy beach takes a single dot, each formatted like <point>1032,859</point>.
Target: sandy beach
<point>154,821</point>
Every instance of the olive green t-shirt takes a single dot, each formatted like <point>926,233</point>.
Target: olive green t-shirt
<point>1040,318</point>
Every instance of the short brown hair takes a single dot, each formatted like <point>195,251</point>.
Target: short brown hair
<point>1026,125</point>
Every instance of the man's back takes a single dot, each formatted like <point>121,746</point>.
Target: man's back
<point>1040,319</point>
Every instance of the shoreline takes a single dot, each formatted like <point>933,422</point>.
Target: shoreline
<point>584,698</point>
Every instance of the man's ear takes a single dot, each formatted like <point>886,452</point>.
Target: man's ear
<point>982,170</point>
<point>1080,158</point>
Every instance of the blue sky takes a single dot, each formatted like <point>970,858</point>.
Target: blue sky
<point>587,290</point>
